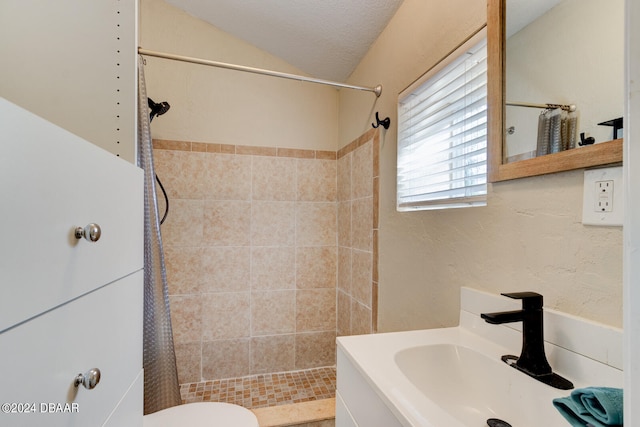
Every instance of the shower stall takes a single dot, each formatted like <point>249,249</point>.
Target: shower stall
<point>270,255</point>
<point>271,240</point>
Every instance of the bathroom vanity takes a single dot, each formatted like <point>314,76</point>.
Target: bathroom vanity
<point>454,377</point>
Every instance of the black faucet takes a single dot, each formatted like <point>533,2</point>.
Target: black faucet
<point>532,360</point>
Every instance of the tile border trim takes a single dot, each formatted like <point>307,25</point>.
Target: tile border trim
<point>209,147</point>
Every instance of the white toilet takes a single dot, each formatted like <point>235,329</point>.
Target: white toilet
<point>202,414</point>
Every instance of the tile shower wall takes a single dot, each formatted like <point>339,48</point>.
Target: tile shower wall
<point>251,253</point>
<point>357,300</point>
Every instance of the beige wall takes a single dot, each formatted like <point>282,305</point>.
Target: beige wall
<point>529,237</point>
<point>217,105</point>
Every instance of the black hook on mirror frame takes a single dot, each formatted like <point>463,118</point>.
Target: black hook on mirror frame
<point>385,122</point>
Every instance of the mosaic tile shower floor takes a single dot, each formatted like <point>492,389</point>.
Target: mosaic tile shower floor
<point>259,391</point>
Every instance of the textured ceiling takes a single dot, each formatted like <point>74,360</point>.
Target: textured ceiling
<point>324,38</point>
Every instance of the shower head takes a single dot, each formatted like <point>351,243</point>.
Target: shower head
<point>157,109</point>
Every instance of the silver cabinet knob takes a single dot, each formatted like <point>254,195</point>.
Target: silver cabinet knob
<point>91,232</point>
<point>89,379</point>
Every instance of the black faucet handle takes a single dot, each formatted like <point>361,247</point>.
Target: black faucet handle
<point>530,300</point>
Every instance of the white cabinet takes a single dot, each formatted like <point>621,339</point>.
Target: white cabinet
<point>357,404</point>
<point>50,182</point>
<point>343,416</point>
<point>129,410</point>
<point>43,357</point>
<point>67,305</point>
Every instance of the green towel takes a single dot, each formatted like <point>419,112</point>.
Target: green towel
<point>592,406</point>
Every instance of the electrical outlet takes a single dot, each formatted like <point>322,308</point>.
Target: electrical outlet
<point>604,196</point>
<point>602,201</point>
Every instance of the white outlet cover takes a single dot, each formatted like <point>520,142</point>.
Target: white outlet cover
<point>590,216</point>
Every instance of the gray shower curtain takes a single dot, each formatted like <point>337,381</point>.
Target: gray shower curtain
<point>161,388</point>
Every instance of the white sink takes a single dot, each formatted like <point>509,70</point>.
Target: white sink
<point>454,377</point>
<point>472,387</point>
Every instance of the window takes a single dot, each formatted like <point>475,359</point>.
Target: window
<point>442,133</point>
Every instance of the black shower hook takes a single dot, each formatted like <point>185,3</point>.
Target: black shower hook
<point>385,122</point>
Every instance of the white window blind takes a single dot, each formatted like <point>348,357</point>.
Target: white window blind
<point>442,133</point>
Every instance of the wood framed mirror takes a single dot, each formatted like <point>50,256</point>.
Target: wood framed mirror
<point>499,169</point>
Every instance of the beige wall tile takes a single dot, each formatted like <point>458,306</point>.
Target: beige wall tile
<point>361,224</point>
<point>362,172</point>
<point>274,353</point>
<point>199,147</point>
<point>315,349</point>
<point>343,324</point>
<point>225,315</point>
<point>344,269</point>
<point>184,269</point>
<point>226,269</point>
<point>188,361</point>
<point>360,318</point>
<point>316,267</point>
<point>361,277</point>
<point>326,155</point>
<point>315,310</point>
<point>344,223</point>
<point>184,224</point>
<point>227,223</point>
<point>316,224</point>
<point>273,268</point>
<point>274,178</point>
<point>227,148</point>
<point>272,224</point>
<point>181,173</point>
<point>357,166</point>
<point>186,318</point>
<point>297,153</point>
<point>256,151</point>
<point>227,177</point>
<point>316,180</point>
<point>167,144</point>
<point>344,178</point>
<point>252,248</point>
<point>375,208</point>
<point>225,359</point>
<point>374,307</point>
<point>375,254</point>
<point>273,312</point>
<point>376,155</point>
<point>213,148</point>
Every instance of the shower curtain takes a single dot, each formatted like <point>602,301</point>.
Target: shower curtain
<point>161,388</point>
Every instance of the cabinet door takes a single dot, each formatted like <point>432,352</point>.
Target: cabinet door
<point>129,410</point>
<point>51,182</point>
<point>41,358</point>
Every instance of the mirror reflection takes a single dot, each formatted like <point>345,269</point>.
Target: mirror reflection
<point>567,54</point>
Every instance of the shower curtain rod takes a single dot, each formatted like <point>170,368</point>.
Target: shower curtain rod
<point>377,90</point>
<point>567,107</point>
